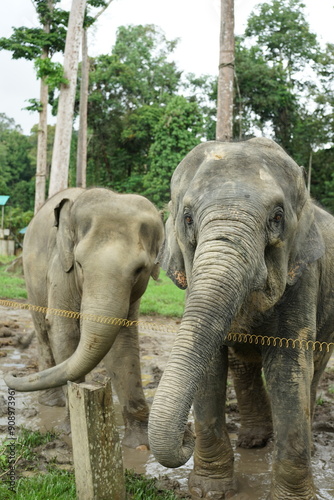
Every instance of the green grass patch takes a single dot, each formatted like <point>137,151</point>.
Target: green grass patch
<point>25,444</point>
<point>12,285</point>
<point>58,484</point>
<point>163,297</point>
<point>55,485</point>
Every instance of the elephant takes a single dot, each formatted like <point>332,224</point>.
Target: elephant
<point>256,256</point>
<point>91,251</point>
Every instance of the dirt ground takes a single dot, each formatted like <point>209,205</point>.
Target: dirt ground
<point>18,352</point>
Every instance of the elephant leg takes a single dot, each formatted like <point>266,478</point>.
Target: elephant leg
<point>253,403</point>
<point>212,476</point>
<point>321,359</point>
<point>123,365</point>
<point>288,373</point>
<point>64,335</point>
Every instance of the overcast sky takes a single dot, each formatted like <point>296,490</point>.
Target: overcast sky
<point>195,22</point>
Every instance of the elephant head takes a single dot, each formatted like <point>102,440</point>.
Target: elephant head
<point>241,229</point>
<point>102,248</point>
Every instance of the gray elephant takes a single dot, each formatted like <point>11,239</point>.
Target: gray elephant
<point>257,256</point>
<point>91,251</point>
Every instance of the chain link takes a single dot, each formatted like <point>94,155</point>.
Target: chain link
<point>263,340</point>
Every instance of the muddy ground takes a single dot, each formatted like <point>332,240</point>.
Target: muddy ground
<point>18,352</point>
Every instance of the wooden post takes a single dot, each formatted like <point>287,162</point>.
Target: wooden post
<point>97,452</point>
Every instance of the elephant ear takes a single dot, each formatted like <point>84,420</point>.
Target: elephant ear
<point>65,241</point>
<point>171,258</point>
<point>309,246</point>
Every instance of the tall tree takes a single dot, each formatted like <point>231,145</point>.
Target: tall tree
<point>128,90</point>
<point>179,129</point>
<point>224,128</point>
<point>83,108</point>
<point>39,45</point>
<point>62,144</point>
<point>280,31</point>
<point>41,166</point>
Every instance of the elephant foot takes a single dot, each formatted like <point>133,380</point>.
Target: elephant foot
<point>254,437</point>
<point>52,397</point>
<point>210,488</point>
<point>135,436</point>
<point>283,495</point>
<point>291,480</point>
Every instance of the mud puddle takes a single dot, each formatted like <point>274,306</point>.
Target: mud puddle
<point>252,466</point>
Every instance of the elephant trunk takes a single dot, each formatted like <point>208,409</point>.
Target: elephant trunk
<point>95,341</point>
<point>221,279</point>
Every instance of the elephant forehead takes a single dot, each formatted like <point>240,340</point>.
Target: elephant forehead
<point>232,182</point>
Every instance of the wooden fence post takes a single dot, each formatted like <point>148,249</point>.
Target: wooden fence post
<point>97,452</point>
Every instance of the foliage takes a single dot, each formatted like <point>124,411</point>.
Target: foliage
<point>285,86</point>
<point>16,220</point>
<point>280,28</point>
<point>144,115</point>
<point>53,73</point>
<point>276,54</point>
<point>177,132</point>
<point>16,167</point>
<point>128,89</point>
<point>131,98</point>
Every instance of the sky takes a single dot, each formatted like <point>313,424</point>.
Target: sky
<point>195,22</point>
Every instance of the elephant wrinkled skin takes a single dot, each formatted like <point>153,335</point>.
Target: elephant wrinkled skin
<point>91,251</point>
<point>257,257</point>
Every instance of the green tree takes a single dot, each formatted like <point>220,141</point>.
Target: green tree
<point>284,80</point>
<point>128,90</point>
<point>16,168</point>
<point>264,98</point>
<point>274,54</point>
<point>179,129</point>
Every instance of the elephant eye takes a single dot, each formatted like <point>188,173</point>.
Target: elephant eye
<point>278,216</point>
<point>188,219</point>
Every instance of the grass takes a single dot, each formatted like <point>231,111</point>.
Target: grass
<point>12,285</point>
<point>161,296</point>
<point>58,484</point>
<point>25,444</point>
<point>55,485</point>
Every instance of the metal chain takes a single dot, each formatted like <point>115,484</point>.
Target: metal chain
<point>263,340</point>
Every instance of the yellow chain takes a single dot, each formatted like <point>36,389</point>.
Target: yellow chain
<point>232,337</point>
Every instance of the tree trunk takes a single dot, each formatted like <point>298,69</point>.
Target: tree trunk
<point>42,145</point>
<point>62,144</point>
<point>82,138</point>
<point>224,128</point>
<point>42,138</point>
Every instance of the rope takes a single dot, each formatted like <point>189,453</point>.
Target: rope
<point>263,340</point>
